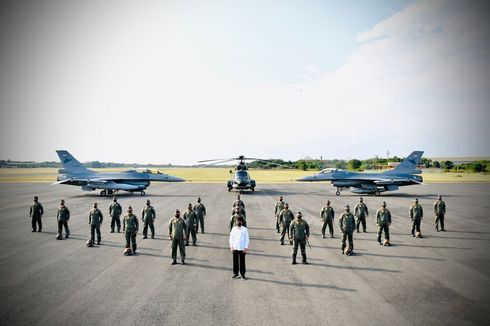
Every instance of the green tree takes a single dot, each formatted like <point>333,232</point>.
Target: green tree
<point>354,164</point>
<point>448,165</point>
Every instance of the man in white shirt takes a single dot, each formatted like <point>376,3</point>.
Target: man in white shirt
<point>239,247</point>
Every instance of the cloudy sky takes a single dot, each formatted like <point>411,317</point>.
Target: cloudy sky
<point>180,81</point>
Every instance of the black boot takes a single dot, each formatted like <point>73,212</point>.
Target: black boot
<point>294,260</point>
<point>174,262</point>
<point>304,259</point>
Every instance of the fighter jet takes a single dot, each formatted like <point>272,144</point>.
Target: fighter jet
<point>75,174</point>
<point>404,174</point>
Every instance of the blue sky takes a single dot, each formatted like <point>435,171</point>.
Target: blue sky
<point>173,81</point>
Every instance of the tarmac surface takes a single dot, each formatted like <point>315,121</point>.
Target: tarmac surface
<point>441,279</point>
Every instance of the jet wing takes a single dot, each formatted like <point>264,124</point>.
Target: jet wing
<point>69,181</point>
<point>383,182</point>
<point>104,184</point>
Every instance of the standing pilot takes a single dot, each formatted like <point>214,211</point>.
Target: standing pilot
<point>277,209</point>
<point>285,219</point>
<point>177,230</point>
<point>115,211</point>
<point>190,219</point>
<point>95,218</point>
<point>383,221</point>
<point>347,225</point>
<point>62,217</point>
<point>148,216</point>
<point>440,211</point>
<point>299,231</point>
<point>361,211</point>
<point>36,212</point>
<point>130,229</point>
<point>416,214</point>
<point>200,210</point>
<point>327,214</point>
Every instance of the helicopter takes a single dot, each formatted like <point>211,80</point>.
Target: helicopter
<point>241,180</point>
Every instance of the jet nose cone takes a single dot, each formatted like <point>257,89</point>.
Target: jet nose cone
<point>307,178</point>
<point>177,179</point>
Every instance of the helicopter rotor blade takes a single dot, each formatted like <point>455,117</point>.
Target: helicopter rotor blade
<point>217,159</point>
<point>219,162</point>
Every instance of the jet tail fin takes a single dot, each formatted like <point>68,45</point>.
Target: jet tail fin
<point>409,164</point>
<point>69,163</point>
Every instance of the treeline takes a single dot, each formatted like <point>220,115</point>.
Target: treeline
<point>375,163</point>
<point>305,165</point>
<point>450,166</point>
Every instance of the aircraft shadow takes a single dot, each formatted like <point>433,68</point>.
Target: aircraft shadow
<point>433,247</point>
<point>457,238</point>
<point>303,285</point>
<point>128,195</point>
<point>364,269</point>
<point>403,257</point>
<point>472,232</point>
<point>273,192</point>
<point>228,268</point>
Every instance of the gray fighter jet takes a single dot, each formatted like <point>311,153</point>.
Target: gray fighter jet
<point>75,174</point>
<point>404,174</point>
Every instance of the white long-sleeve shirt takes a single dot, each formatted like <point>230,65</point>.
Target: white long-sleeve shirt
<point>239,238</point>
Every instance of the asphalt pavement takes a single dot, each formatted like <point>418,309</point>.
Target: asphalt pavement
<point>441,279</point>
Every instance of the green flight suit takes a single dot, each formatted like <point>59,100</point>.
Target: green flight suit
<point>200,210</point>
<point>440,211</point>
<point>299,230</point>
<point>35,213</point>
<point>62,218</point>
<point>177,228</point>
<point>115,211</point>
<point>361,211</point>
<point>328,215</point>
<point>239,202</point>
<point>241,211</point>
<point>383,220</point>
<point>347,225</point>
<point>95,218</point>
<point>234,221</point>
<point>285,219</point>
<point>130,228</point>
<point>190,219</point>
<point>277,209</point>
<point>416,214</point>
<point>148,216</point>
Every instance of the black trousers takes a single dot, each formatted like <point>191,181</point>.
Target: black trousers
<point>239,262</point>
<point>63,223</point>
<point>37,221</point>
<point>93,228</point>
